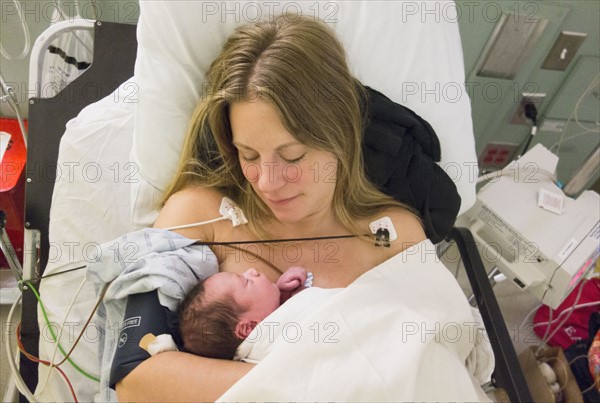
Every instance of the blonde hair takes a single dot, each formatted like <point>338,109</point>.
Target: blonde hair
<point>298,65</point>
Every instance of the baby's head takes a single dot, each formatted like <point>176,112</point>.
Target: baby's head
<point>221,311</point>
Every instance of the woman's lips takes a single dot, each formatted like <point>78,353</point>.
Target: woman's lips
<point>281,202</point>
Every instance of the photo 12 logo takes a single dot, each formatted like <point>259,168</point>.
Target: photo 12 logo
<point>255,11</point>
<point>36,12</point>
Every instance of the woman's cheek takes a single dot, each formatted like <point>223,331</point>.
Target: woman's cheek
<point>293,173</point>
<point>252,171</point>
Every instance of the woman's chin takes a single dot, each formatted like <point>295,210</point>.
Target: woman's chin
<point>287,217</point>
<point>287,213</point>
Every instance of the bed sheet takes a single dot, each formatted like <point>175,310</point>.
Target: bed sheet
<point>91,204</point>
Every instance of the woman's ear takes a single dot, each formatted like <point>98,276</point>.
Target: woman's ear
<point>244,327</point>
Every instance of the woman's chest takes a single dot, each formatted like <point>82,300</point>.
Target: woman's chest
<point>334,262</point>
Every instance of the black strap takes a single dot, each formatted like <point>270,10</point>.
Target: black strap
<point>144,314</point>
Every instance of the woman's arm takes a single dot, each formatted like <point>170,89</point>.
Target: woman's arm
<point>179,377</point>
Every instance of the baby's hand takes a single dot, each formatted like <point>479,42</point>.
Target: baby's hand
<point>292,280</point>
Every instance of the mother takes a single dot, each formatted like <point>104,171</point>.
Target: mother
<point>285,114</point>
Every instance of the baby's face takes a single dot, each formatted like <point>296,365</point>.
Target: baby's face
<point>252,291</point>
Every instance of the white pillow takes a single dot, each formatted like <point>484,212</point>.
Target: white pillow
<point>410,51</point>
<point>91,198</point>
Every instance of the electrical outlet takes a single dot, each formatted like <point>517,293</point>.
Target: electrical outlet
<point>518,116</point>
<point>496,155</point>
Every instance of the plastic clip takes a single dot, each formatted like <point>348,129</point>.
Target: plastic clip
<point>232,212</point>
<point>384,231</point>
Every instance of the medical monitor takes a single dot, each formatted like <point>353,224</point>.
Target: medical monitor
<point>539,238</point>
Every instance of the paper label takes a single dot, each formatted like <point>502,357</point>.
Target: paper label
<point>553,126</point>
<point>567,249</point>
<point>551,201</point>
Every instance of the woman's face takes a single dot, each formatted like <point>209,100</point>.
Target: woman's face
<point>295,181</point>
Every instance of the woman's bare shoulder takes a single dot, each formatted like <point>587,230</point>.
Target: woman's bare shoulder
<point>190,205</point>
<point>197,192</point>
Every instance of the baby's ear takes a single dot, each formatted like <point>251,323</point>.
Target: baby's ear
<point>244,327</point>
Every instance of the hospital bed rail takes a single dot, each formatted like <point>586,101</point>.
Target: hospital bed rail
<point>47,120</point>
<point>508,374</point>
<point>43,42</point>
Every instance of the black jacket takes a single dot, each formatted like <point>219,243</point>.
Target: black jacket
<point>400,152</point>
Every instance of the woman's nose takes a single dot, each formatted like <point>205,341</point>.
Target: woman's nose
<point>271,178</point>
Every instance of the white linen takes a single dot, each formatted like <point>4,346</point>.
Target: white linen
<point>90,201</point>
<point>282,323</point>
<point>401,332</point>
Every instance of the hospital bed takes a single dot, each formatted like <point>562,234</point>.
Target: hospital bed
<point>124,118</point>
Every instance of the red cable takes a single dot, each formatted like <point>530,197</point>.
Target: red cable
<point>47,363</point>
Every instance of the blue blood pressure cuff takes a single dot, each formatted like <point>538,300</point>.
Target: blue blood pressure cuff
<point>143,315</point>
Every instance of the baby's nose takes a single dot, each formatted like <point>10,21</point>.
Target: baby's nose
<point>251,272</point>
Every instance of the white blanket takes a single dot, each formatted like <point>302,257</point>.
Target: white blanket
<point>283,323</point>
<point>403,331</point>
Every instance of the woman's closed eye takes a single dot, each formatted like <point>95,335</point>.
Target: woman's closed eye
<point>294,160</point>
<point>249,158</point>
<point>286,160</point>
